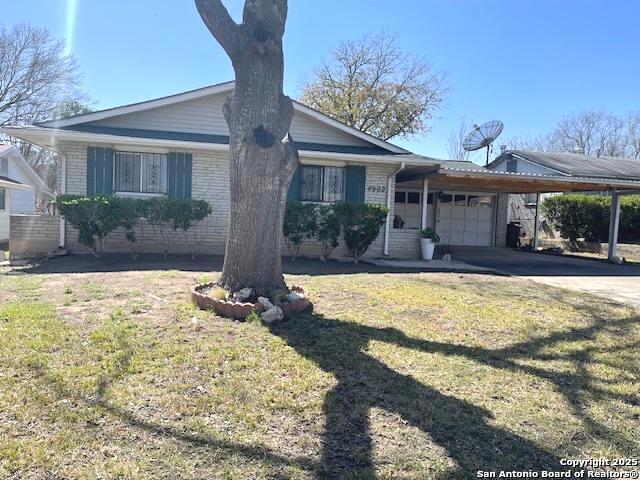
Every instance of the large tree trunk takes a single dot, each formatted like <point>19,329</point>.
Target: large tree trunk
<point>263,156</point>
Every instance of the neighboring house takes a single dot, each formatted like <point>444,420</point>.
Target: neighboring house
<point>178,146</point>
<point>20,187</point>
<point>522,207</point>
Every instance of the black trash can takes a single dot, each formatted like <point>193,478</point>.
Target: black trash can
<point>513,233</point>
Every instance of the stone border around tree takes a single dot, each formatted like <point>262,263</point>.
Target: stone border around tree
<point>240,310</point>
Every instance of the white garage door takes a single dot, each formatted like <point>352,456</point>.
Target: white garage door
<point>465,219</point>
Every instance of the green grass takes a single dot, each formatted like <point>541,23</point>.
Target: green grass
<point>418,376</point>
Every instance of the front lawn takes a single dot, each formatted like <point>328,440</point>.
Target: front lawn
<point>436,376</point>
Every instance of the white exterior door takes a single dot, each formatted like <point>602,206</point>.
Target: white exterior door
<point>465,219</point>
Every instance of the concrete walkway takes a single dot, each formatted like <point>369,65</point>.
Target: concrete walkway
<point>616,282</point>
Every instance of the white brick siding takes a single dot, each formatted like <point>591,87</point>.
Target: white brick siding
<point>33,235</point>
<point>210,182</point>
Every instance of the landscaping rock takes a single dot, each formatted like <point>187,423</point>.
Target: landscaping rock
<point>274,314</point>
<point>264,301</point>
<point>244,294</point>
<point>294,297</point>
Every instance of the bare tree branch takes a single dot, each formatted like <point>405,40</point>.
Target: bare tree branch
<point>37,82</point>
<point>456,140</point>
<point>592,132</point>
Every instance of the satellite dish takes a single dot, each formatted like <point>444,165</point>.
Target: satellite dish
<point>483,136</point>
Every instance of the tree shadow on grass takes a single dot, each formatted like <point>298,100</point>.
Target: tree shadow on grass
<point>464,430</point>
<point>121,368</point>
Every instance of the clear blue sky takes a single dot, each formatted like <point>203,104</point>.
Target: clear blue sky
<point>526,63</point>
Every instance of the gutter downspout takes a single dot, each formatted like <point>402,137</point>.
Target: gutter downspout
<point>387,225</point>
<point>63,190</point>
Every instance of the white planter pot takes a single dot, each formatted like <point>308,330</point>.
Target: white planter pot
<point>427,247</point>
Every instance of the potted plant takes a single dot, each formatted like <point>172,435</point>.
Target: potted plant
<point>428,240</point>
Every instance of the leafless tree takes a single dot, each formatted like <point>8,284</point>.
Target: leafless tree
<point>37,82</point>
<point>542,143</point>
<point>633,135</point>
<point>263,155</point>
<point>374,86</point>
<point>592,132</point>
<point>456,140</point>
<point>36,77</point>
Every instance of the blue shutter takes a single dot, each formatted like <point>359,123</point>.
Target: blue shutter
<point>356,179</point>
<point>188,167</point>
<point>91,170</point>
<point>294,187</point>
<point>99,171</point>
<point>179,174</point>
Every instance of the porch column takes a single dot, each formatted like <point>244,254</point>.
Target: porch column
<point>536,223</point>
<point>614,222</point>
<point>425,194</point>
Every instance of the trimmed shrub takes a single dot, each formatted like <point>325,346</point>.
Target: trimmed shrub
<point>630,219</point>
<point>360,225</point>
<point>159,218</point>
<point>328,230</point>
<point>133,213</point>
<point>185,215</point>
<point>587,216</point>
<point>96,216</point>
<point>299,225</point>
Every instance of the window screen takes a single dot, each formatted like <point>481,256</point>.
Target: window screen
<point>333,188</point>
<point>140,172</point>
<point>322,184</point>
<point>311,183</point>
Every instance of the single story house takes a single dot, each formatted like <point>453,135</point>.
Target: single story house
<point>178,146</point>
<point>20,187</point>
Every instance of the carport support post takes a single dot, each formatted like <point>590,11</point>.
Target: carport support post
<point>425,195</point>
<point>614,222</point>
<point>536,224</point>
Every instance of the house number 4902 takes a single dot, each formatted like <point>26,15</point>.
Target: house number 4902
<point>376,188</point>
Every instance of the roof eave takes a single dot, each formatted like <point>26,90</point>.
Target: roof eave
<point>15,185</point>
<point>48,137</point>
<point>633,184</point>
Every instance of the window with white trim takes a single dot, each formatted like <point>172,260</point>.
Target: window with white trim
<point>3,199</point>
<point>137,172</point>
<point>322,184</point>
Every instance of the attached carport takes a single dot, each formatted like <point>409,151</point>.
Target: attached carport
<point>490,181</point>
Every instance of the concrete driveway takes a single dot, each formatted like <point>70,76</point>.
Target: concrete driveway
<point>616,282</point>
